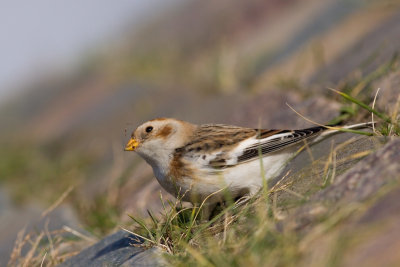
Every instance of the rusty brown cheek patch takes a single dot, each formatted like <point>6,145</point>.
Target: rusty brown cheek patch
<point>164,132</point>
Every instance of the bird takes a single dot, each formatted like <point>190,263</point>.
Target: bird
<point>208,162</point>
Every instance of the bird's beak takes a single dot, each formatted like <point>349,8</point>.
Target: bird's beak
<point>131,145</point>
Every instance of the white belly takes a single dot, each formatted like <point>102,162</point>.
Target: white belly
<point>251,175</point>
<point>245,178</point>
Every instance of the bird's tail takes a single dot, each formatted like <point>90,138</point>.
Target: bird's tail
<point>363,125</point>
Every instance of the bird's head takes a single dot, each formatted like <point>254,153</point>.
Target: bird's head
<point>158,138</point>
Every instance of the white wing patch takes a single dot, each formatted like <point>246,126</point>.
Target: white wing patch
<point>249,149</point>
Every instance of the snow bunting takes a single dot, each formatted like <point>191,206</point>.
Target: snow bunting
<point>196,161</point>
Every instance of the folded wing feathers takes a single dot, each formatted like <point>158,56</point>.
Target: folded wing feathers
<point>277,142</point>
<point>264,142</point>
<point>249,149</point>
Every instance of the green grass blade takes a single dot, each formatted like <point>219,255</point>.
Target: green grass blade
<point>153,219</point>
<point>364,106</point>
<point>143,225</point>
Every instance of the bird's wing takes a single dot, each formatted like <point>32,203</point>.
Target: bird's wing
<point>221,146</point>
<point>278,141</point>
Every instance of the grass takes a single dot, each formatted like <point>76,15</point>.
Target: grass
<point>391,123</point>
<point>193,242</point>
<point>357,91</point>
<point>47,248</point>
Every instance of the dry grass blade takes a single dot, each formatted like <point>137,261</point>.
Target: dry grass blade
<point>333,160</point>
<point>78,234</point>
<point>225,228</point>
<point>373,107</point>
<point>31,253</point>
<point>328,164</point>
<point>197,214</point>
<point>46,231</point>
<point>177,213</point>
<point>355,156</point>
<point>276,186</point>
<point>294,193</point>
<point>203,203</point>
<point>19,243</point>
<point>330,127</point>
<point>44,257</point>
<point>58,201</point>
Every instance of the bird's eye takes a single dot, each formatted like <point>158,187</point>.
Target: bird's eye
<point>149,129</point>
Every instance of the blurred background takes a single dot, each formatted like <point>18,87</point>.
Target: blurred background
<point>77,77</point>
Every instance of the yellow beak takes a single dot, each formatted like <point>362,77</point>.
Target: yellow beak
<point>131,145</point>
